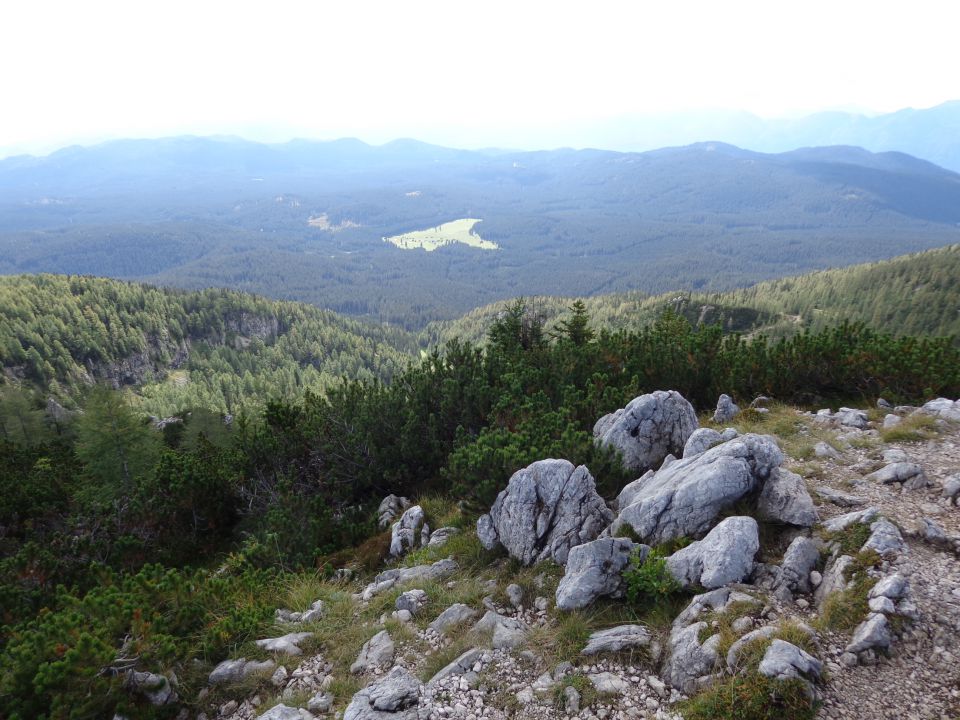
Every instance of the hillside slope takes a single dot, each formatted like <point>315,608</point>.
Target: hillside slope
<point>218,349</point>
<point>306,220</point>
<point>915,294</point>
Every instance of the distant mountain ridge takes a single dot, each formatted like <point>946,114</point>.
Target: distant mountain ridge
<point>201,212</point>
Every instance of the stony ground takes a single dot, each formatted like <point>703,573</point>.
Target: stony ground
<point>919,679</point>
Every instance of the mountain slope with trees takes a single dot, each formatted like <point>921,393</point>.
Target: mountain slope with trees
<point>217,349</point>
<point>915,294</point>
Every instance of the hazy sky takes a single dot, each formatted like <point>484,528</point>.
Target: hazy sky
<point>467,73</point>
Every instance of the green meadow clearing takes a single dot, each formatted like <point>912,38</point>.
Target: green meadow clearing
<point>455,231</point>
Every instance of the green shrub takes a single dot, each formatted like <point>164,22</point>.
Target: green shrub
<point>649,580</point>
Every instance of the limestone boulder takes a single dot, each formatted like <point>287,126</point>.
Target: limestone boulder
<point>595,570</point>
<point>785,499</point>
<point>724,556</point>
<point>686,498</point>
<point>648,429</point>
<point>547,508</point>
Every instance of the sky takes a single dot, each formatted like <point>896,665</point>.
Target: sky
<point>469,74</point>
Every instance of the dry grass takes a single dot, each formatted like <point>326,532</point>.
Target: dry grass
<point>913,428</point>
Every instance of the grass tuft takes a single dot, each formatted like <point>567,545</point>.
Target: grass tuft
<point>913,428</point>
<point>750,696</point>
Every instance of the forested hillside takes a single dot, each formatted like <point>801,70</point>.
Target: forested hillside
<point>916,294</point>
<point>306,221</point>
<point>216,349</point>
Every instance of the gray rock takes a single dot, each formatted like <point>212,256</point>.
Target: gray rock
<point>390,508</point>
<point>322,702</point>
<point>834,578</point>
<point>742,625</point>
<point>412,601</point>
<point>873,633</point>
<point>785,661</point>
<point>515,594</point>
<point>440,536</point>
<point>594,570</point>
<point>733,654</point>
<point>279,677</point>
<point>287,644</point>
<point>851,417</point>
<point>378,651</point>
<point>942,408</point>
<point>825,451</point>
<point>715,600</point>
<point>648,429</point>
<point>396,696</point>
<point>842,522</point>
<point>900,472</point>
<point>884,404</point>
<point>157,689</point>
<point>461,665</point>
<point>689,659</point>
<point>881,605</point>
<point>609,683</point>
<point>894,586</point>
<point>668,461</point>
<point>686,498</point>
<point>951,487</point>
<point>316,611</point>
<point>700,440</point>
<point>784,499</point>
<point>547,508</point>
<point>895,455</point>
<point>615,639</point>
<point>454,615</point>
<point>726,410</point>
<point>282,712</point>
<point>406,532</point>
<point>799,561</point>
<point>890,420</point>
<point>571,700</point>
<point>507,632</point>
<point>724,556</point>
<point>838,498</point>
<point>389,579</point>
<point>885,538</point>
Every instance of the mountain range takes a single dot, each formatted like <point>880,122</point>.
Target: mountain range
<point>306,220</point>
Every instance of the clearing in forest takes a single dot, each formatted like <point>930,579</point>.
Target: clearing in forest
<point>455,231</point>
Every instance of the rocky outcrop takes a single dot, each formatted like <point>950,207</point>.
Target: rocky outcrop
<point>724,556</point>
<point>617,639</point>
<point>376,652</point>
<point>799,560</point>
<point>690,660</point>
<point>507,632</point>
<point>409,532</point>
<point>288,644</point>
<point>234,670</point>
<point>547,508</point>
<point>398,576</point>
<point>394,697</point>
<point>785,661</point>
<point>451,617</point>
<point>872,634</point>
<point>595,570</point>
<point>390,508</point>
<point>685,498</point>
<point>942,408</point>
<point>908,473</point>
<point>726,410</point>
<point>885,538</point>
<point>784,499</point>
<point>648,429</point>
<point>703,439</point>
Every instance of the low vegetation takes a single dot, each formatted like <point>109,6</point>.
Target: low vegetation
<point>456,231</point>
